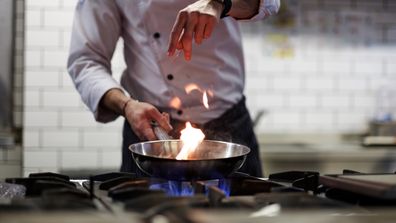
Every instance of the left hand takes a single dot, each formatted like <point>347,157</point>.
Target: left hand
<point>195,21</point>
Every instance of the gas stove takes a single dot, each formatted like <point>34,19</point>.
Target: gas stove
<point>124,197</point>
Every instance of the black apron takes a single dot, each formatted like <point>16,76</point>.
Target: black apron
<point>235,125</point>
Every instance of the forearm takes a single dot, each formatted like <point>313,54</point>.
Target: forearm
<point>244,9</point>
<point>114,100</point>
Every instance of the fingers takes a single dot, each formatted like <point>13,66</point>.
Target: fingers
<point>161,119</point>
<point>208,30</point>
<point>167,116</point>
<point>199,30</point>
<point>140,118</point>
<point>176,32</point>
<point>190,25</point>
<point>143,130</point>
<point>188,35</point>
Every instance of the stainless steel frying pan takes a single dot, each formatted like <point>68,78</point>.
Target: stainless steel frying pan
<point>211,160</point>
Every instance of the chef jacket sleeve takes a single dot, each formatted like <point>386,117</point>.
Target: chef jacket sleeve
<point>266,9</point>
<point>96,30</point>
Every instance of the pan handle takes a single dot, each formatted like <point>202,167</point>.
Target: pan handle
<point>160,132</point>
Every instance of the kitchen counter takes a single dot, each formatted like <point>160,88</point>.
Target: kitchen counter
<point>324,153</point>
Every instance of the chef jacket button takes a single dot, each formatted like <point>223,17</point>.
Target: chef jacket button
<point>179,112</point>
<point>169,76</point>
<point>156,35</point>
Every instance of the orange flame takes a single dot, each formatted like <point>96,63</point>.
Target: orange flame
<point>175,103</point>
<point>191,138</point>
<point>205,100</point>
<point>191,87</point>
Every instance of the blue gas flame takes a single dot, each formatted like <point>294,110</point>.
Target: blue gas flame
<point>225,186</point>
<point>186,189</point>
<point>175,188</point>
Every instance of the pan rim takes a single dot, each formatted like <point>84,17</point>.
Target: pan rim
<point>245,150</point>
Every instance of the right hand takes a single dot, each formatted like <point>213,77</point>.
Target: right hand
<point>197,22</point>
<point>140,115</point>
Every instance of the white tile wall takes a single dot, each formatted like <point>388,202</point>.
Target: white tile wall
<point>73,160</point>
<point>327,82</point>
<point>40,159</point>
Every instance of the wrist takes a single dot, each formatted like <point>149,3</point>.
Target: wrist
<point>227,5</point>
<point>125,105</point>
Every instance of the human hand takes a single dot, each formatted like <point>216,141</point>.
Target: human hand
<point>195,21</point>
<point>140,116</point>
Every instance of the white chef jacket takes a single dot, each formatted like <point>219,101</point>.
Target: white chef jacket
<point>217,65</point>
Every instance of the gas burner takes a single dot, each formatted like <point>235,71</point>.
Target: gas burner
<point>50,191</point>
<point>150,198</point>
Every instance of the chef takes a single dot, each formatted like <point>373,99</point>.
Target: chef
<point>176,52</point>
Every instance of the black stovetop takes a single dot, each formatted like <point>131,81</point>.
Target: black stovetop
<point>150,197</point>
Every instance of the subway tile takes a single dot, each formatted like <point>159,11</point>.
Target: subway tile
<point>42,38</point>
<point>31,98</point>
<point>286,83</point>
<point>390,66</point>
<point>42,3</point>
<point>31,138</point>
<point>64,98</point>
<point>332,66</point>
<point>37,159</point>
<point>368,102</point>
<point>55,58</point>
<point>284,117</point>
<point>320,118</point>
<point>33,58</point>
<point>371,67</point>
<point>68,4</point>
<point>353,118</point>
<point>66,80</point>
<point>77,119</point>
<point>41,119</point>
<point>337,101</point>
<point>352,84</point>
<point>58,18</point>
<point>378,83</point>
<point>271,100</point>
<point>257,82</point>
<point>59,138</point>
<point>79,160</point>
<point>302,101</point>
<point>33,18</point>
<point>66,40</point>
<point>111,159</point>
<point>41,78</point>
<point>303,66</point>
<point>115,125</point>
<point>102,139</point>
<point>319,83</point>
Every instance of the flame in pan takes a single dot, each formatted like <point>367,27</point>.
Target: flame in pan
<point>191,138</point>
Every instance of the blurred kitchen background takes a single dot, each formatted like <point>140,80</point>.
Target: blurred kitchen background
<point>317,75</point>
